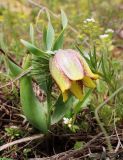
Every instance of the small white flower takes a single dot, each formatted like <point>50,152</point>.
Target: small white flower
<point>89,20</point>
<point>66,120</point>
<point>109,31</point>
<point>103,36</point>
<point>69,125</point>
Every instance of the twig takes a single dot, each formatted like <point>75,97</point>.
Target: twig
<point>99,121</point>
<point>78,151</point>
<point>17,78</point>
<point>54,15</point>
<point>71,153</point>
<point>37,18</point>
<point>31,138</point>
<point>119,141</point>
<point>2,51</point>
<point>43,8</point>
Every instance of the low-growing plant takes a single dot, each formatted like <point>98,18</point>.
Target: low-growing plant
<point>69,78</point>
<point>66,67</point>
<point>13,132</point>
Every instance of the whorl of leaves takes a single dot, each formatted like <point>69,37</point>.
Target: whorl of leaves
<point>41,73</point>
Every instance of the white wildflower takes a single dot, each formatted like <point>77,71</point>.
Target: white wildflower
<point>69,125</point>
<point>103,36</point>
<point>66,120</point>
<point>109,31</point>
<point>89,20</point>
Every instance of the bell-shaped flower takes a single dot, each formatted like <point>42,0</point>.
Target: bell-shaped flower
<point>70,71</point>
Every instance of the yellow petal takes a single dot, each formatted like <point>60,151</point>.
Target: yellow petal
<point>65,96</point>
<point>70,64</point>
<point>76,89</point>
<point>87,70</point>
<point>88,82</point>
<point>62,81</point>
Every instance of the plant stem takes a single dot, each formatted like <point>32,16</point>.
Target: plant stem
<point>89,8</point>
<point>99,121</point>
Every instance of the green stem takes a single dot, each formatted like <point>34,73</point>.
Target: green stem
<point>89,8</point>
<point>99,121</point>
<point>78,106</point>
<point>49,104</point>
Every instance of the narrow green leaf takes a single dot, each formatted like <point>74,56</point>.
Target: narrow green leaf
<point>59,41</point>
<point>80,50</point>
<point>61,109</point>
<point>14,69</point>
<point>35,111</point>
<point>95,56</point>
<point>48,15</point>
<point>50,36</point>
<point>80,104</point>
<point>32,33</point>
<point>82,54</point>
<point>3,44</point>
<point>44,36</point>
<point>64,19</point>
<point>34,50</point>
<point>104,66</point>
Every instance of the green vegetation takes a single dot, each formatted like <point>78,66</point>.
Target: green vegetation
<point>41,98</point>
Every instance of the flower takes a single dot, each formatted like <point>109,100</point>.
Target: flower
<point>67,121</point>
<point>109,31</point>
<point>103,36</point>
<point>89,20</point>
<point>70,71</point>
<point>69,125</point>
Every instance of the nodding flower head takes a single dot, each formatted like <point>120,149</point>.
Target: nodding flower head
<point>71,72</point>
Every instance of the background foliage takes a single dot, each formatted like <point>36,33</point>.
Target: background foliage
<point>103,54</point>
